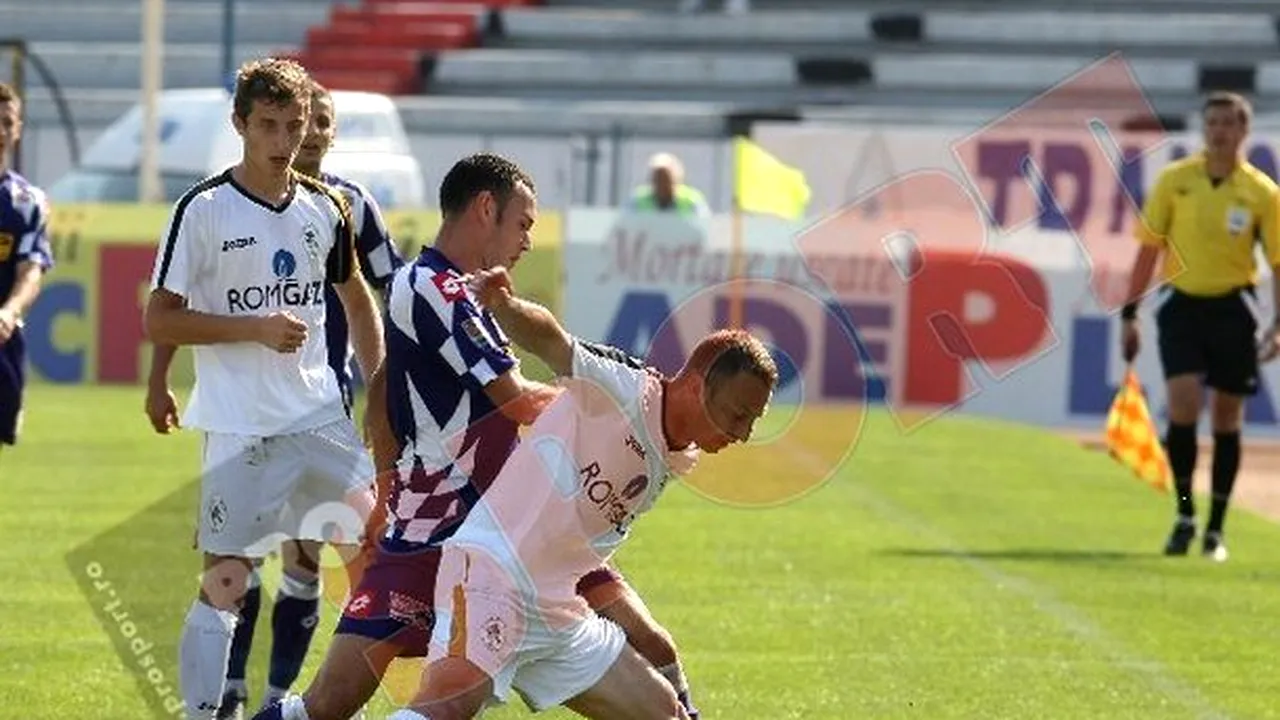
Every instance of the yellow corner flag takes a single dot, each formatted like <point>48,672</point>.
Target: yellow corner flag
<point>1132,438</point>
<point>764,184</point>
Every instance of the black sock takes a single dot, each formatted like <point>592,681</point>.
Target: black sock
<point>1226,465</point>
<point>1180,444</point>
<point>293,622</point>
<point>242,641</point>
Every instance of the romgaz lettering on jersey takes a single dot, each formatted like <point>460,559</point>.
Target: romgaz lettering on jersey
<point>230,253</point>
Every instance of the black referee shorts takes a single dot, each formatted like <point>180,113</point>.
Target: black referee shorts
<point>1214,337</point>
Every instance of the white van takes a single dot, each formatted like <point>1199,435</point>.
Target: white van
<point>198,140</point>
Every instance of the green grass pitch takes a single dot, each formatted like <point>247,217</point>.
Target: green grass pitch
<point>967,570</point>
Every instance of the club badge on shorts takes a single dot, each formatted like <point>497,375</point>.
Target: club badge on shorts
<point>217,514</point>
<point>6,246</point>
<point>1238,220</point>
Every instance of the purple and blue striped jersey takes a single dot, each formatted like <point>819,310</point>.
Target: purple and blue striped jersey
<point>24,229</point>
<point>442,350</point>
<point>379,260</point>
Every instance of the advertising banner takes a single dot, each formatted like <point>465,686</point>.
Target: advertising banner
<point>1016,329</point>
<point>1055,178</point>
<point>87,327</point>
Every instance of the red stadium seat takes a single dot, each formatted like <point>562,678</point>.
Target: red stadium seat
<point>387,83</point>
<point>378,46</point>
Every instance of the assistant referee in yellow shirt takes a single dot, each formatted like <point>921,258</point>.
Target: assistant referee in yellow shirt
<point>1205,216</point>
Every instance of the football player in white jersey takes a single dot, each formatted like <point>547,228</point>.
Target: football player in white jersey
<point>296,606</point>
<point>507,615</point>
<point>241,276</point>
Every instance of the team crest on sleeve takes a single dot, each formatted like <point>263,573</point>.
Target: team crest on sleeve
<point>471,326</point>
<point>6,246</point>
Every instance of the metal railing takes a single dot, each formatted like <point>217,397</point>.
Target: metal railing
<point>22,55</point>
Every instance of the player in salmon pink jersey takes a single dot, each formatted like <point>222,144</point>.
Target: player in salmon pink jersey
<point>507,612</point>
<point>447,407</point>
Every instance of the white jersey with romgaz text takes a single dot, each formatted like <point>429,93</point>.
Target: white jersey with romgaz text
<point>230,253</point>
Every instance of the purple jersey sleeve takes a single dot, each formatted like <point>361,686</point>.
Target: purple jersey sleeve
<point>33,244</point>
<point>24,222</point>
<point>475,346</point>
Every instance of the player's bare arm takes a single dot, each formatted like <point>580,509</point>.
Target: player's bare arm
<point>25,289</point>
<point>520,398</point>
<point>381,439</point>
<point>161,406</point>
<point>531,326</point>
<point>170,322</point>
<point>365,322</point>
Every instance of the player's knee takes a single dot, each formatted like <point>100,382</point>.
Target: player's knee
<point>225,581</point>
<point>1184,399</point>
<point>1228,413</point>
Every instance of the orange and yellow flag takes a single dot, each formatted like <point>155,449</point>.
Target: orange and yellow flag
<point>1132,438</point>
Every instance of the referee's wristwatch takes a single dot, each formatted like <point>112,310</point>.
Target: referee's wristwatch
<point>1129,312</point>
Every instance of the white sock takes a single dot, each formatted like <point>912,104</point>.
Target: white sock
<point>301,589</point>
<point>408,715</point>
<point>203,652</point>
<point>292,708</point>
<point>675,675</point>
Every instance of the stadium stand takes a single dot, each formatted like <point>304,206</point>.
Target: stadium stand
<point>637,68</point>
<point>805,56</point>
<point>977,55</point>
<point>379,44</point>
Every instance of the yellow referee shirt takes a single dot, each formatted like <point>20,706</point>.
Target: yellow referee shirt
<point>1208,231</point>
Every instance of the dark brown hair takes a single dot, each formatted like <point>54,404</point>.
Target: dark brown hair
<point>726,353</point>
<point>482,172</point>
<point>273,80</point>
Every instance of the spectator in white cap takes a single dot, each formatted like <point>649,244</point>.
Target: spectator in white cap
<point>667,192</point>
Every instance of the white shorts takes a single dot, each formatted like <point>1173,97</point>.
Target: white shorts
<point>256,492</point>
<point>501,631</point>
